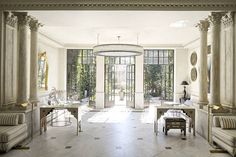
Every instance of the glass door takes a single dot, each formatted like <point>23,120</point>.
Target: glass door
<point>130,85</point>
<point>109,85</point>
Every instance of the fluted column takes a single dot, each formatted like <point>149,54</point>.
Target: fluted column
<point>34,25</point>
<point>203,87</point>
<point>215,21</point>
<point>23,21</point>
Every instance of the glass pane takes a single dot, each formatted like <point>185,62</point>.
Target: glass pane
<point>166,53</point>
<point>132,60</point>
<point>155,53</point>
<point>160,60</point>
<point>145,53</point>
<point>150,61</point>
<point>160,53</point>
<point>171,60</point>
<point>165,60</point>
<point>145,60</point>
<point>123,60</point>
<point>150,54</point>
<point>155,60</point>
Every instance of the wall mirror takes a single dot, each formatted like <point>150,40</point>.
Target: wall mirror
<point>42,71</point>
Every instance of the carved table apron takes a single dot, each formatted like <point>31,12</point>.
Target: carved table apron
<point>188,110</point>
<point>45,110</point>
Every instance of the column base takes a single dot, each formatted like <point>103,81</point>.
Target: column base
<point>99,104</point>
<point>202,103</point>
<point>139,100</point>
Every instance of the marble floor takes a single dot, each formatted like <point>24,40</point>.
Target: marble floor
<point>115,132</point>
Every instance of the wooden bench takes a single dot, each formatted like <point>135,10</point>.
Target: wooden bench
<point>174,123</point>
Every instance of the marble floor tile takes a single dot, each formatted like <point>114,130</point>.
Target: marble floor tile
<point>115,133</point>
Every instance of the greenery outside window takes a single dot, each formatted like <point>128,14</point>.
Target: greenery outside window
<point>159,73</point>
<point>81,73</point>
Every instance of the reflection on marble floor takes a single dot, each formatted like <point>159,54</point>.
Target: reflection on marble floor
<point>115,132</point>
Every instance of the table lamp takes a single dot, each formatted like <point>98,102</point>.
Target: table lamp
<point>185,83</point>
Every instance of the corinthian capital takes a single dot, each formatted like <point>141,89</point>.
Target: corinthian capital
<point>228,19</point>
<point>203,25</point>
<point>215,18</point>
<point>23,18</point>
<point>11,20</point>
<point>34,24</point>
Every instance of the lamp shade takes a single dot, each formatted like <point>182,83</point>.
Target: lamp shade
<point>184,83</point>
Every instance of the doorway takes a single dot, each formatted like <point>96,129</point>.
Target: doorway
<point>119,81</point>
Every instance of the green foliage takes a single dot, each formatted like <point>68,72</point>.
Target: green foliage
<point>81,75</point>
<point>158,81</point>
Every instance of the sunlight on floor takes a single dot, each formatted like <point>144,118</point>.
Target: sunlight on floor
<point>116,114</point>
<point>148,115</point>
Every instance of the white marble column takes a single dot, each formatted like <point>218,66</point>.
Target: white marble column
<point>215,22</point>
<point>139,97</point>
<point>34,25</point>
<point>23,21</point>
<point>203,26</point>
<point>100,95</point>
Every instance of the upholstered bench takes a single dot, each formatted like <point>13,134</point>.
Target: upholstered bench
<point>224,133</point>
<point>174,123</point>
<point>13,130</point>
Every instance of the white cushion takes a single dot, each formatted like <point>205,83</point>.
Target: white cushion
<point>9,119</point>
<point>227,122</point>
<point>227,136</point>
<point>7,133</point>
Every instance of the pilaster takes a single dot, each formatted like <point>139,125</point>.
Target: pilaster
<point>215,22</point>
<point>2,60</point>
<point>228,60</point>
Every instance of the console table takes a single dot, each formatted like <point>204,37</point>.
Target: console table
<point>45,110</point>
<point>188,110</point>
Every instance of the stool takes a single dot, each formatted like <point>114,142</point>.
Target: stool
<point>174,123</point>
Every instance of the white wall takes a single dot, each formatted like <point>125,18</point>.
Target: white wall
<point>56,62</point>
<point>181,72</point>
<point>62,66</point>
<point>194,85</point>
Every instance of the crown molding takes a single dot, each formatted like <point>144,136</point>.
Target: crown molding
<point>49,41</point>
<point>226,5</point>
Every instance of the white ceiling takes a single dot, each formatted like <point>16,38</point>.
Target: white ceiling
<point>148,27</point>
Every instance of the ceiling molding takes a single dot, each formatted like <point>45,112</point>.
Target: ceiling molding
<point>226,5</point>
<point>49,41</point>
